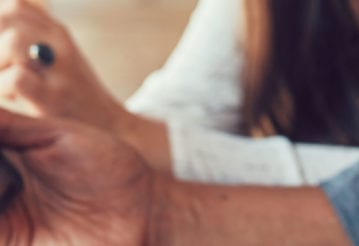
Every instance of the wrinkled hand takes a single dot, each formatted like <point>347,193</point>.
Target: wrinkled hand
<point>69,88</point>
<point>80,184</point>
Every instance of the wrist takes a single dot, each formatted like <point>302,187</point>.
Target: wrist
<point>124,125</point>
<point>160,221</point>
<point>123,219</point>
<point>121,122</point>
<point>148,137</point>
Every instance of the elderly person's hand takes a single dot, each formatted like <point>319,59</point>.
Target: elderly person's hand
<point>69,88</point>
<point>81,186</point>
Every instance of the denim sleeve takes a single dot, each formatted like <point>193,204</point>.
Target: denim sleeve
<point>343,192</point>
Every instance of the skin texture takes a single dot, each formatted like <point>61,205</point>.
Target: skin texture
<point>195,214</point>
<point>75,93</point>
<point>70,89</point>
<point>77,190</point>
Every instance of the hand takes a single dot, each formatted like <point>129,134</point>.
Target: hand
<point>69,88</point>
<point>80,184</point>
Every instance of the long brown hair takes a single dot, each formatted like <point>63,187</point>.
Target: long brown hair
<point>302,70</point>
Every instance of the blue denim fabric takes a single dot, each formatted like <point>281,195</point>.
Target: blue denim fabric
<point>343,192</point>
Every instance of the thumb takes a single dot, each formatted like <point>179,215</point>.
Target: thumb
<point>19,131</point>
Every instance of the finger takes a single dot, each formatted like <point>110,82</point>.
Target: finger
<point>25,11</point>
<point>18,30</point>
<point>16,40</point>
<point>21,25</point>
<point>20,81</point>
<point>14,44</point>
<point>18,131</point>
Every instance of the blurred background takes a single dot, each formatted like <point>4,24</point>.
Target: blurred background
<point>124,40</point>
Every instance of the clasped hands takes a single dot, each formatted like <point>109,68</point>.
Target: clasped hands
<point>81,183</point>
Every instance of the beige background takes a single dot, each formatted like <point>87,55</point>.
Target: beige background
<point>124,39</point>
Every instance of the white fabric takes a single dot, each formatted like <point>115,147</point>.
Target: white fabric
<point>199,82</point>
<point>197,93</point>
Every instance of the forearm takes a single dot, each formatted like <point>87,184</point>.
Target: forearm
<point>194,214</point>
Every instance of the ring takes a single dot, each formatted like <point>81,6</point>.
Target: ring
<point>42,53</point>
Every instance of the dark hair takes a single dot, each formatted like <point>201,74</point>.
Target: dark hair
<point>305,83</point>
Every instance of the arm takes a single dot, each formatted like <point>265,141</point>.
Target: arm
<point>64,196</point>
<point>201,214</point>
<point>193,214</point>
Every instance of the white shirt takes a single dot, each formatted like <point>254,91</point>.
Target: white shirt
<point>198,94</point>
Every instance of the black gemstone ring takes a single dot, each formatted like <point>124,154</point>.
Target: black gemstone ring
<point>42,53</point>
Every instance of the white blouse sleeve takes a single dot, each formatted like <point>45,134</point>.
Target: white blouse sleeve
<point>197,93</point>
<point>199,82</point>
